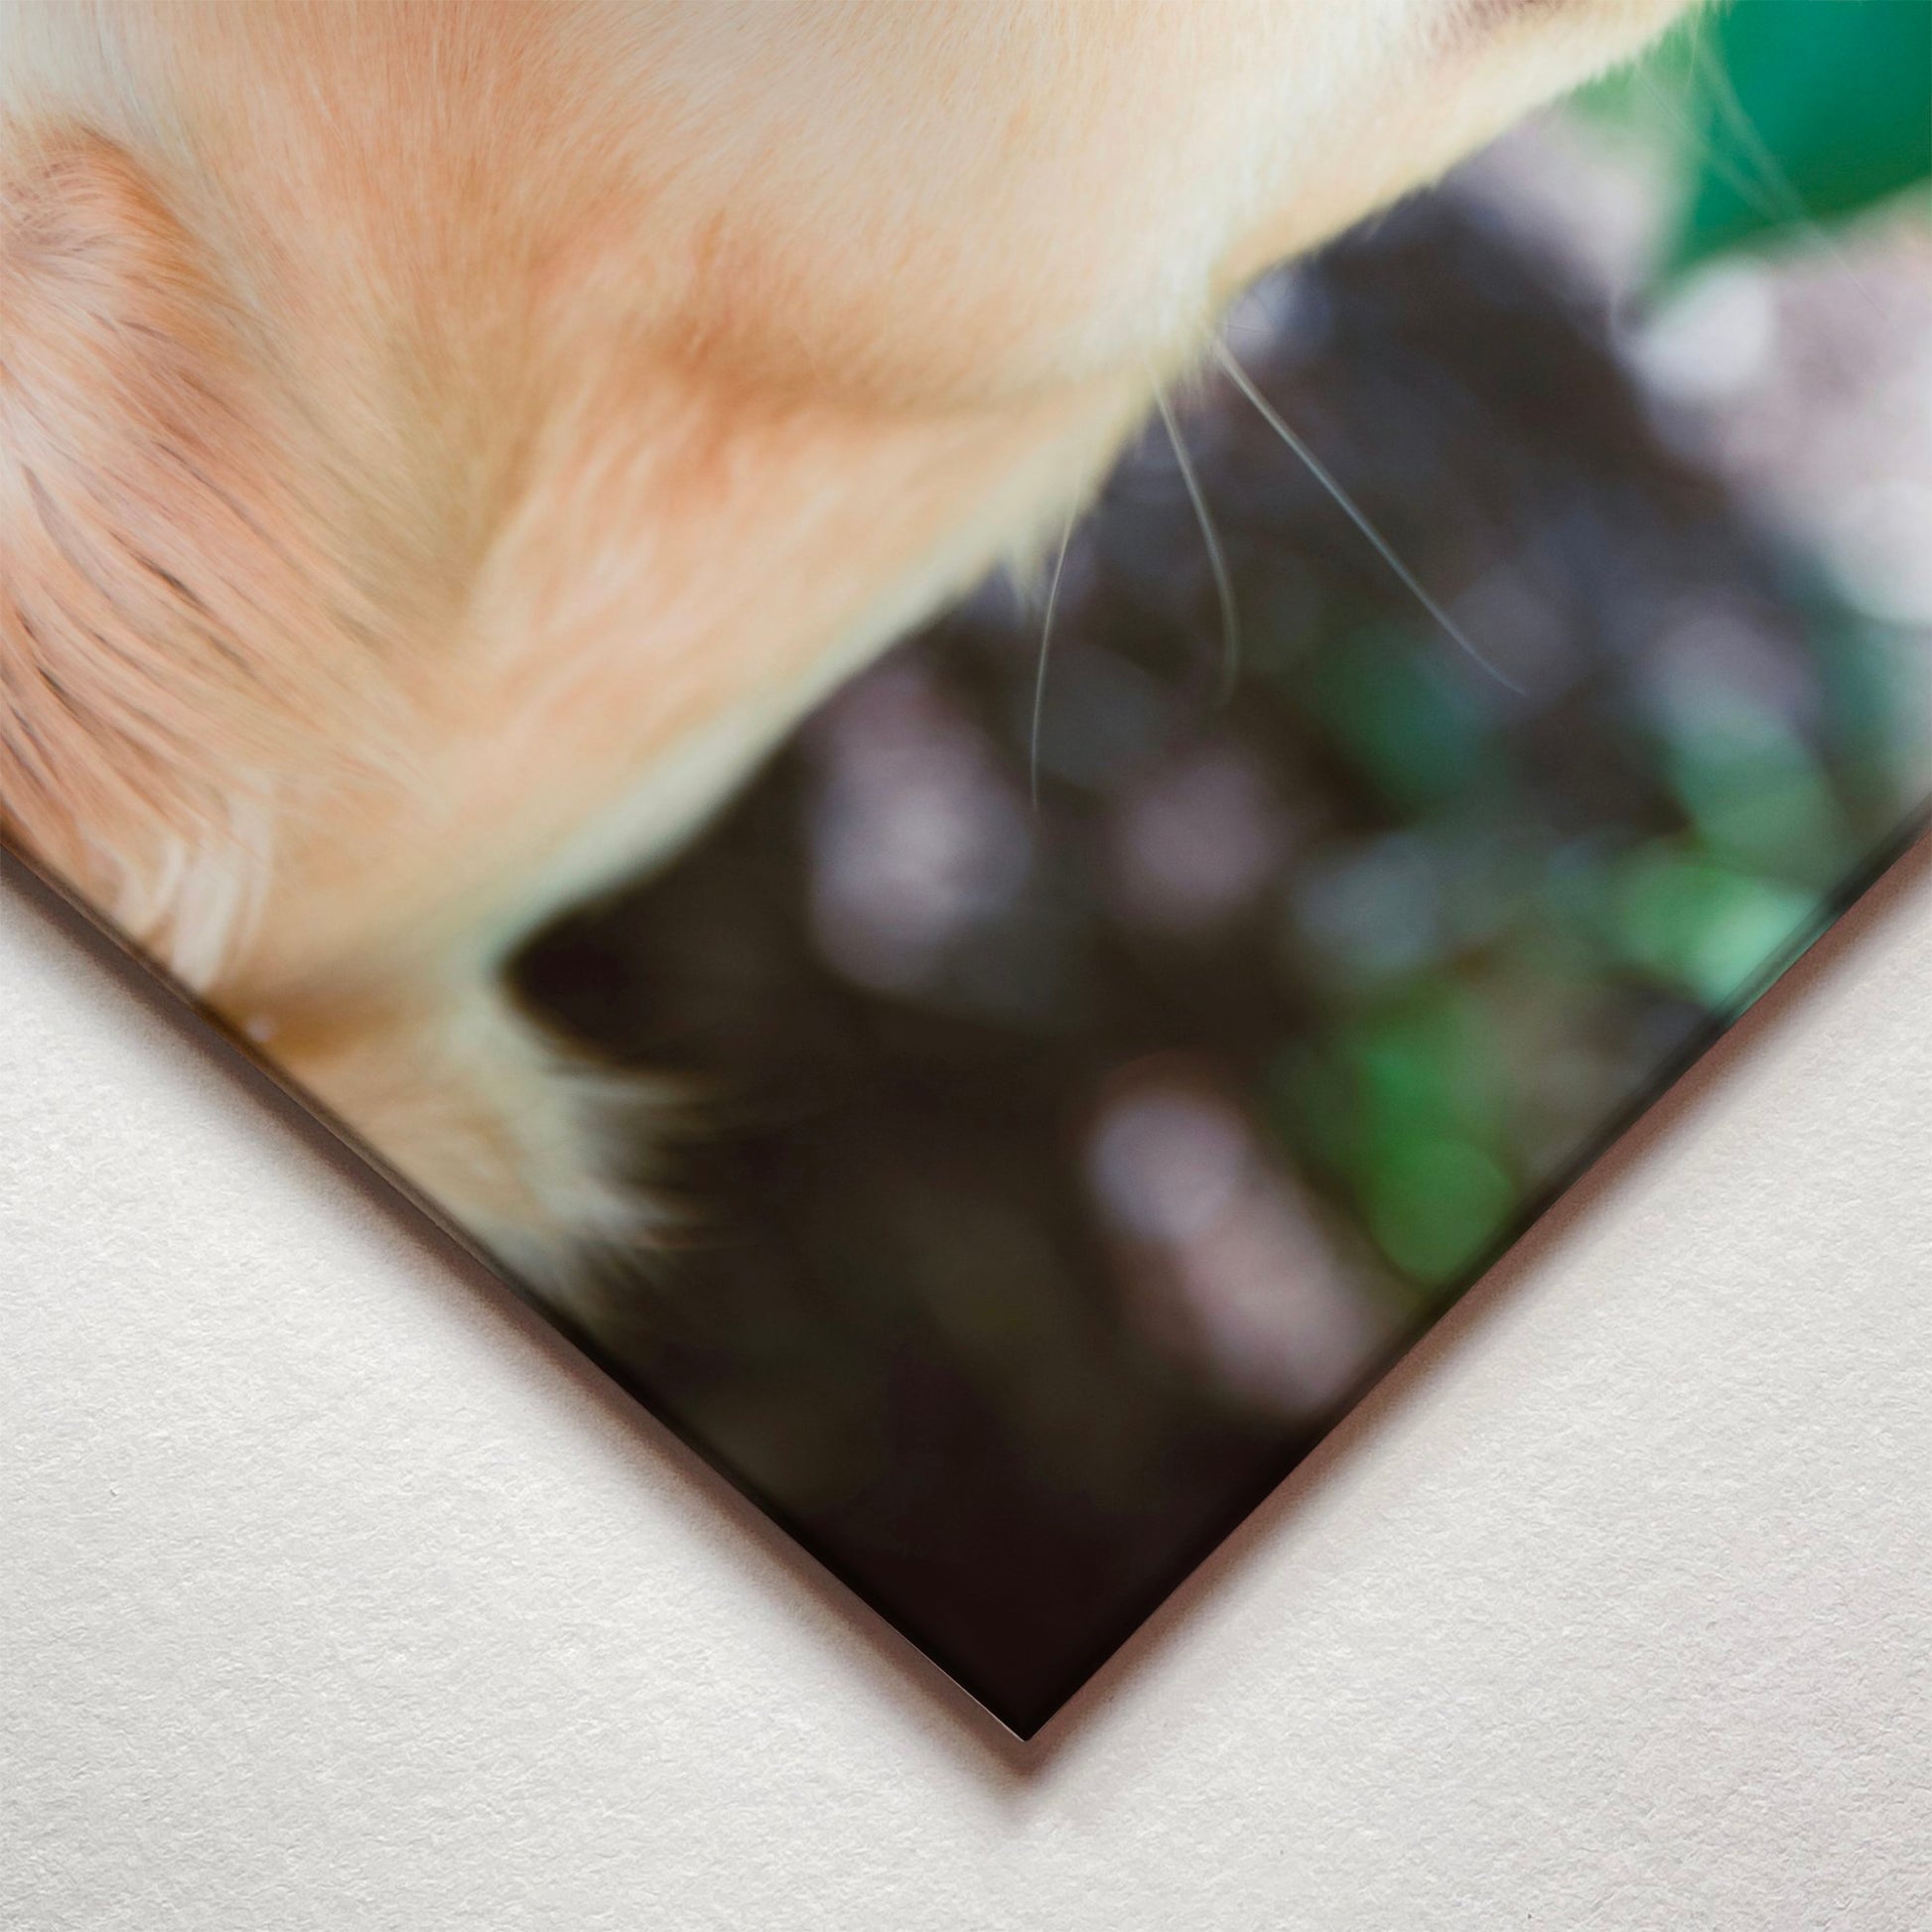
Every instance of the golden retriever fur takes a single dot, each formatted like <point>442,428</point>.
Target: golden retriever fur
<point>443,444</point>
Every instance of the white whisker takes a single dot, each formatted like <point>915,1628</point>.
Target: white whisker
<point>1383,548</point>
<point>1217,562</point>
<point>1040,677</point>
<point>1783,197</point>
<point>1757,195</point>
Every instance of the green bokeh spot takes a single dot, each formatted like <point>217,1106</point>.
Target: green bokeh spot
<point>1696,923</point>
<point>1757,797</point>
<point>1434,1205</point>
<point>1807,109</point>
<point>1400,721</point>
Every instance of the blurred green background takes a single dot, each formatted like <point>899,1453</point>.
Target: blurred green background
<point>1101,1079</point>
<point>1781,116</point>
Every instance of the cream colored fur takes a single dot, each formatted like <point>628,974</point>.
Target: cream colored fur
<point>441,445</point>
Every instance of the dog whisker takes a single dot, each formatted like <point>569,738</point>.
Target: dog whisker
<point>1217,561</point>
<point>1039,678</point>
<point>1357,516</point>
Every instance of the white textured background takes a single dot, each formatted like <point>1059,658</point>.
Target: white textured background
<point>334,1592</point>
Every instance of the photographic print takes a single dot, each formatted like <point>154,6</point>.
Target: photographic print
<point>988,729</point>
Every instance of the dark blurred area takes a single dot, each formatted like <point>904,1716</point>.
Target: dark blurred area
<point>1058,1168</point>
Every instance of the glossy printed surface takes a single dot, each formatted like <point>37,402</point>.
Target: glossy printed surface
<point>1073,1161</point>
<point>1118,1022</point>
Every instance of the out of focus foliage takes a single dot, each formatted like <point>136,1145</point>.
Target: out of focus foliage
<point>1098,1081</point>
<point>1096,1087</point>
<point>1783,114</point>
